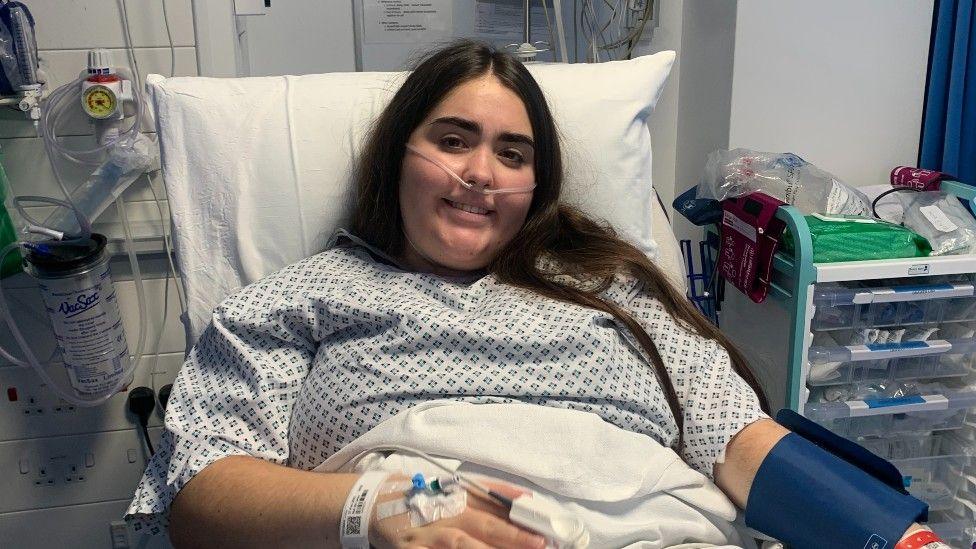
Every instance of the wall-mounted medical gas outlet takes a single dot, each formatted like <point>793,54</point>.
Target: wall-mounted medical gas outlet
<point>59,471</point>
<point>28,410</point>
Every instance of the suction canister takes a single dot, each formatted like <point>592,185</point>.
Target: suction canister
<point>80,299</point>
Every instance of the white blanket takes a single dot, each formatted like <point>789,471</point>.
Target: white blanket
<point>628,489</point>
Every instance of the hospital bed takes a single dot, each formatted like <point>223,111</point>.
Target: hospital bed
<point>258,170</point>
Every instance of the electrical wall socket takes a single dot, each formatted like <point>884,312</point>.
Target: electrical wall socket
<point>70,470</point>
<point>38,412</point>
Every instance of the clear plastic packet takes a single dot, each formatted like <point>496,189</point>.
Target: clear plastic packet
<point>786,176</point>
<point>942,220</point>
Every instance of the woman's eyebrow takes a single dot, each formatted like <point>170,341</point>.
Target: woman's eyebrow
<point>517,138</point>
<point>464,124</point>
<point>474,127</point>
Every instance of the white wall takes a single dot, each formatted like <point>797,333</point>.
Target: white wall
<point>36,435</point>
<point>692,117</point>
<point>301,37</point>
<point>839,83</point>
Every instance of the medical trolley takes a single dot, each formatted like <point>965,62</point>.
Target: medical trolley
<point>881,352</point>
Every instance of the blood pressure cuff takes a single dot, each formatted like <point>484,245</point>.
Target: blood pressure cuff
<point>816,489</point>
<point>700,211</point>
<point>750,235</point>
<point>917,178</point>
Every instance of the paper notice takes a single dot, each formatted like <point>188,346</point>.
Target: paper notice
<point>406,21</point>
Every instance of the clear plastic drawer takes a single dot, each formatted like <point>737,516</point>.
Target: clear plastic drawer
<point>932,467</point>
<point>907,447</point>
<point>893,416</point>
<point>903,361</point>
<point>841,307</point>
<point>954,530</point>
<point>934,480</point>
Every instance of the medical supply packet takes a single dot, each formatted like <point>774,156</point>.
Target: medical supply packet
<point>784,176</point>
<point>852,238</point>
<point>942,220</point>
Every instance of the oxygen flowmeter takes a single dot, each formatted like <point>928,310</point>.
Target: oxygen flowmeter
<point>104,92</point>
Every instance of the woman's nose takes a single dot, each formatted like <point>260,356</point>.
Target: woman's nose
<point>478,170</point>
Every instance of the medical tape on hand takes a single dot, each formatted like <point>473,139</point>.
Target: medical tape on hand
<point>395,507</point>
<point>354,524</point>
<point>391,509</point>
<point>423,506</point>
<point>427,507</point>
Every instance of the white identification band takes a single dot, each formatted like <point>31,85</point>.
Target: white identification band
<point>354,525</point>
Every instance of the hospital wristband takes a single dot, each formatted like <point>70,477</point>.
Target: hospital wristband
<point>922,539</point>
<point>356,513</point>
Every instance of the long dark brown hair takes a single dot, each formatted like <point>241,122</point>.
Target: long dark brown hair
<point>554,234</point>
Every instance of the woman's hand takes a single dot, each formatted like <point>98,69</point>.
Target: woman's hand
<point>482,525</point>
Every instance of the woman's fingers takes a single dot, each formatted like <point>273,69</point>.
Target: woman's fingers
<point>482,503</point>
<point>498,532</point>
<point>444,537</point>
<point>508,490</point>
<point>471,529</point>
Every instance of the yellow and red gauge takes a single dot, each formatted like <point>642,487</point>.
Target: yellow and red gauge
<point>99,102</point>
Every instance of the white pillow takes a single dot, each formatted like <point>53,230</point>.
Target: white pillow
<point>257,170</point>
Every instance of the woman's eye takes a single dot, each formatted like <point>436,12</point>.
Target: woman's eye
<point>452,142</point>
<point>513,155</point>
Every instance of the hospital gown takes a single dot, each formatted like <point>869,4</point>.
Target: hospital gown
<point>302,362</point>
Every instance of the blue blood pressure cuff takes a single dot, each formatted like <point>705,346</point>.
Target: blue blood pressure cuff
<point>700,211</point>
<point>816,489</point>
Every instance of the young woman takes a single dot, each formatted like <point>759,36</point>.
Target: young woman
<point>463,277</point>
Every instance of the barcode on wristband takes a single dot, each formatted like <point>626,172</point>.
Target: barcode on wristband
<point>353,525</point>
<point>357,506</point>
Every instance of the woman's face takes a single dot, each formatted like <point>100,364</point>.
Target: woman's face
<point>481,131</point>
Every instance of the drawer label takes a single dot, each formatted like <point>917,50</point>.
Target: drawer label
<point>922,269</point>
<point>896,405</point>
<point>894,346</point>
<point>894,401</point>
<point>877,351</point>
<point>913,293</point>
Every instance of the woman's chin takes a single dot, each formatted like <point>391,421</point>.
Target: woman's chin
<point>464,246</point>
<point>463,265</point>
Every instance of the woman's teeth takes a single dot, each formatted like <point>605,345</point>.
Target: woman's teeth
<point>467,208</point>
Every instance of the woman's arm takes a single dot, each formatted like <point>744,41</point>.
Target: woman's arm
<point>249,502</point>
<point>244,502</point>
<point>743,456</point>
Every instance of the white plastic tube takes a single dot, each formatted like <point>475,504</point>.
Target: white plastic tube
<point>137,279</point>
